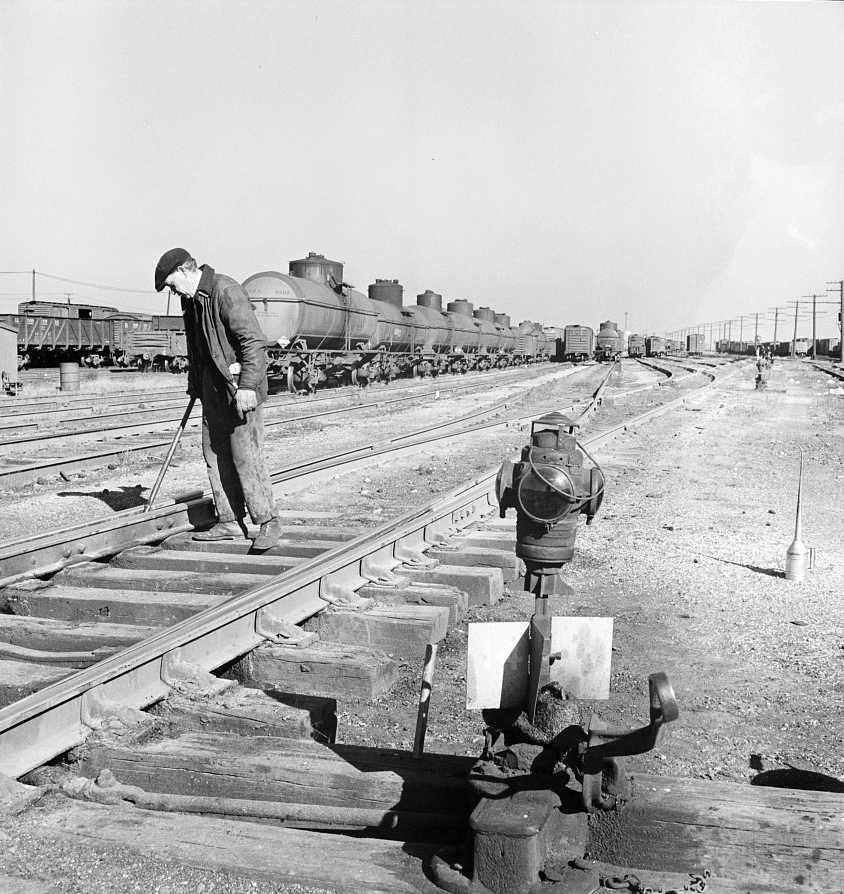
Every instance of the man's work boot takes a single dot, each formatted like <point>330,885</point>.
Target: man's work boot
<point>268,536</point>
<point>223,530</point>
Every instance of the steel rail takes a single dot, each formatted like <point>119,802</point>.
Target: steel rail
<point>175,397</point>
<point>830,371</point>
<point>25,472</point>
<point>64,400</point>
<point>49,722</point>
<point>47,554</point>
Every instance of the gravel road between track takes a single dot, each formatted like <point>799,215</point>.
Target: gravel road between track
<point>688,554</point>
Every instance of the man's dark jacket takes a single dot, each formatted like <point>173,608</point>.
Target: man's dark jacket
<point>221,310</point>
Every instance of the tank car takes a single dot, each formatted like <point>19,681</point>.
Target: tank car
<point>320,329</point>
<point>608,342</point>
<point>655,346</point>
<point>636,345</point>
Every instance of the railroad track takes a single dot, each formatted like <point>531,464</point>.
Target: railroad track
<point>242,754</point>
<point>171,582</point>
<point>103,401</point>
<point>15,471</point>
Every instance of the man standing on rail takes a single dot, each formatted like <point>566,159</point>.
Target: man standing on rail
<point>228,373</point>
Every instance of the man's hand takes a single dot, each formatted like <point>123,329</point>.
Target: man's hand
<point>245,400</point>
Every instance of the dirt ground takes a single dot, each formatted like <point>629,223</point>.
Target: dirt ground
<point>88,495</point>
<point>687,554</point>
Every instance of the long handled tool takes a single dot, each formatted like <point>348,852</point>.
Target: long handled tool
<point>173,445</point>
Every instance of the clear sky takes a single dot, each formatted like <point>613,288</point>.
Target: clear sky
<point>558,161</point>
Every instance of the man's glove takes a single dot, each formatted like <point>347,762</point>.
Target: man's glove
<point>245,400</point>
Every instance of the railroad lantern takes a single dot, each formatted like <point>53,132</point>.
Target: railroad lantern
<point>549,488</point>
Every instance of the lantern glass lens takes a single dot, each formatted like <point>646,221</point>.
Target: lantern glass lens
<point>546,493</point>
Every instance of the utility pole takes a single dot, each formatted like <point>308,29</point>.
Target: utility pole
<point>33,285</point>
<point>756,332</point>
<point>814,325</point>
<point>794,340</point>
<point>776,318</point>
<point>840,284</point>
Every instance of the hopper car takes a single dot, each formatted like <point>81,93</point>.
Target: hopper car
<point>576,344</point>
<point>636,346</point>
<point>95,335</point>
<point>321,330</point>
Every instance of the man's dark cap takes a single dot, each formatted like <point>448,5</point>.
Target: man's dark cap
<point>168,262</point>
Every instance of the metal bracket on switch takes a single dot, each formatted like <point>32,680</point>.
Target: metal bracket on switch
<point>98,711</point>
<point>278,630</point>
<point>189,677</point>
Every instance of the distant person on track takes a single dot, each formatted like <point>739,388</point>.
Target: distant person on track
<point>228,373</point>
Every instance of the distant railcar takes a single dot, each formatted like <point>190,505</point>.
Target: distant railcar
<point>655,346</point>
<point>608,342</point>
<point>636,346</point>
<point>576,344</point>
<point>829,347</point>
<point>695,343</point>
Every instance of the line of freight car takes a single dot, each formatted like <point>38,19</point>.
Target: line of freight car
<point>320,328</point>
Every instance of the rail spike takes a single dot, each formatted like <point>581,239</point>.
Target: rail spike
<point>188,677</point>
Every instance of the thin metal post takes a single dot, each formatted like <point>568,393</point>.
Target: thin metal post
<point>425,699</point>
<point>776,319</point>
<point>814,328</point>
<point>165,465</point>
<point>33,285</point>
<point>756,332</point>
<point>794,340</point>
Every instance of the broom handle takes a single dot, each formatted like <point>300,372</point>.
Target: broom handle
<point>173,445</point>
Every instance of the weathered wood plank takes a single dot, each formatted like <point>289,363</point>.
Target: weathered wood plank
<point>456,601</point>
<point>133,607</point>
<point>325,669</point>
<point>93,574</point>
<point>303,549</point>
<point>773,836</point>
<point>397,629</point>
<point>333,863</point>
<point>483,586</point>
<point>154,558</point>
<point>251,712</point>
<point>20,678</point>
<point>461,553</point>
<point>267,768</point>
<point>60,636</point>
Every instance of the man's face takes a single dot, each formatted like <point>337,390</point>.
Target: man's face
<point>180,282</point>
